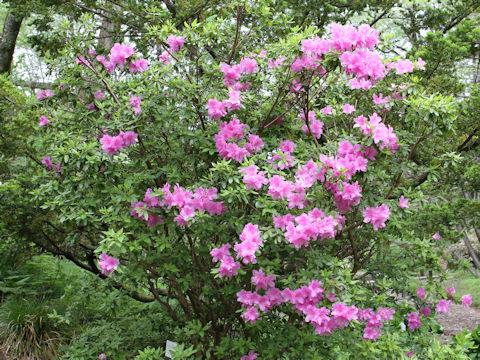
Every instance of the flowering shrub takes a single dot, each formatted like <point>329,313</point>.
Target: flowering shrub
<point>288,203</point>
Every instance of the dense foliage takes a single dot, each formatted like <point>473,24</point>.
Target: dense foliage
<point>307,161</point>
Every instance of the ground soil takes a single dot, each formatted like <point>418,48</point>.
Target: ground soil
<point>458,319</point>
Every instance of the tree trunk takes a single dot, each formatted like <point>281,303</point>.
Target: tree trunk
<point>471,251</point>
<point>11,28</point>
<point>105,39</point>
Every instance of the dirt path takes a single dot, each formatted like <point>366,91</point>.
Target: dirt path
<point>458,319</point>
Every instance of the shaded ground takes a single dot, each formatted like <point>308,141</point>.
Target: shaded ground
<point>458,319</point>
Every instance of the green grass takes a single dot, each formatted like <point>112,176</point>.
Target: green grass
<point>464,282</point>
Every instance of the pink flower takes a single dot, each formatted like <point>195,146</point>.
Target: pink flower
<point>326,110</point>
<point>371,333</point>
<point>228,267</point>
<point>443,306</point>
<point>43,121</point>
<point>112,144</point>
<point>135,104</point>
<point>175,42</point>
<point>315,125</point>
<point>108,264</point>
<point>252,178</point>
<point>139,65</point>
<point>348,109</point>
<point>347,37</point>
<point>425,311</point>
<point>403,202</point>
<point>403,66</point>
<point>421,293</point>
<point>349,313</point>
<point>436,236</point>
<point>48,162</point>
<point>450,292</point>
<point>220,253</point>
<point>119,54</point>
<point>108,65</point>
<point>216,109</point>
<point>377,216</point>
<point>99,94</point>
<point>230,73</point>
<point>262,281</point>
<point>467,300</point>
<point>287,146</point>
<point>251,356</point>
<point>102,356</point>
<point>248,66</point>
<point>420,64</point>
<point>414,321</point>
<point>444,264</point>
<point>81,60</point>
<point>251,241</point>
<point>276,63</point>
<point>380,100</point>
<point>45,94</point>
<point>91,107</point>
<point>164,57</point>
<point>250,315</point>
<point>410,353</point>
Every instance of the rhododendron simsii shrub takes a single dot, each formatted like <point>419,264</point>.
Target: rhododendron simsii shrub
<point>256,193</point>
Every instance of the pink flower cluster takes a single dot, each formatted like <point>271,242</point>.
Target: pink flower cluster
<point>175,44</point>
<point>467,300</point>
<point>113,144</point>
<point>139,65</point>
<point>421,294</point>
<point>310,226</point>
<point>139,210</point>
<point>350,159</point>
<point>380,100</point>
<point>186,201</point>
<point>217,109</point>
<point>252,355</point>
<point>348,196</point>
<point>414,321</point>
<point>45,94</point>
<point>108,264</point>
<point>382,135</point>
<point>232,73</point>
<point>305,300</point>
<point>99,95</point>
<point>228,266</point>
<point>234,131</point>
<point>443,306</point>
<point>253,178</point>
<point>47,161</point>
<point>245,250</point>
<point>284,160</point>
<point>376,216</point>
<point>348,109</point>
<point>366,66</point>
<point>43,121</point>
<point>354,45</point>
<point>403,202</point>
<point>402,66</point>
<point>118,57</point>
<point>315,125</point>
<point>250,244</point>
<point>135,102</point>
